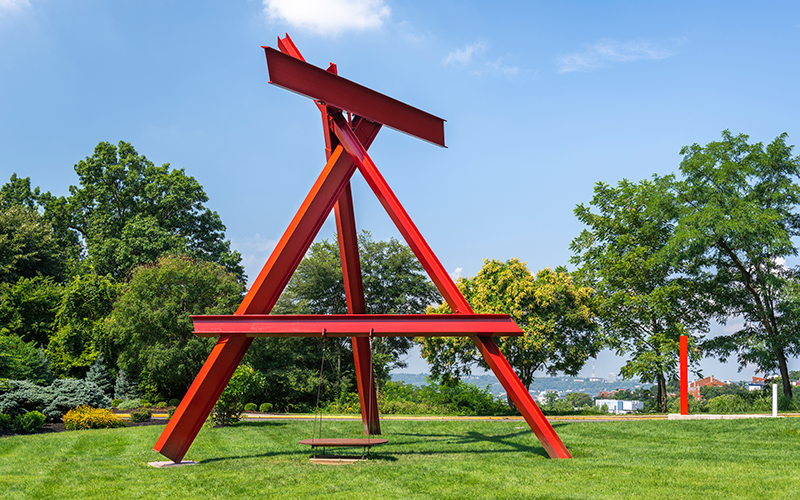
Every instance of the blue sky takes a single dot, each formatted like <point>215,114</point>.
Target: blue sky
<point>542,100</point>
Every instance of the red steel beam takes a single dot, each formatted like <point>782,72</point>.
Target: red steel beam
<point>303,229</point>
<point>684,346</point>
<point>356,325</point>
<point>521,398</point>
<point>199,400</point>
<point>308,80</point>
<point>399,216</point>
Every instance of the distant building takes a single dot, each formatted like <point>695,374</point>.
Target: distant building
<point>619,405</point>
<point>694,387</point>
<point>611,377</point>
<point>607,394</point>
<point>757,384</point>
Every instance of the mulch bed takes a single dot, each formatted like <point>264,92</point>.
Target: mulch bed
<point>60,427</point>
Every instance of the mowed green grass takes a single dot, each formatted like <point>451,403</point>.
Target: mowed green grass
<point>757,458</point>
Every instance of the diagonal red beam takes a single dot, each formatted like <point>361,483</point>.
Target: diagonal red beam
<point>356,325</point>
<point>521,398</point>
<point>298,76</point>
<point>399,216</point>
<point>304,227</point>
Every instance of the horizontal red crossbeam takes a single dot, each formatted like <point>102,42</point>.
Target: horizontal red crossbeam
<point>356,325</point>
<point>308,80</point>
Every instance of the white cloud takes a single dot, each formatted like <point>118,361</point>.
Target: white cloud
<point>457,273</point>
<point>606,51</point>
<point>328,17</point>
<point>13,5</point>
<point>464,56</point>
<point>255,252</point>
<point>473,55</point>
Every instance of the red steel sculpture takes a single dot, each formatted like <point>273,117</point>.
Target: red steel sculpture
<point>346,144</point>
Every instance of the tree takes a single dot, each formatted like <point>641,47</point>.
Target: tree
<point>149,327</point>
<point>129,212</point>
<point>28,245</point>
<point>579,399</point>
<point>28,308</point>
<point>100,377</point>
<point>125,387</point>
<point>738,217</point>
<point>79,338</point>
<point>20,360</point>
<point>394,283</point>
<point>644,301</point>
<point>554,312</point>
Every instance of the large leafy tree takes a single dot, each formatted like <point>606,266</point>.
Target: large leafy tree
<point>394,283</point>
<point>149,329</point>
<point>644,301</point>
<point>28,308</point>
<point>29,246</point>
<point>129,211</point>
<point>554,312</point>
<point>738,218</point>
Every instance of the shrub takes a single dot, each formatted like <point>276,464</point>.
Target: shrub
<point>728,403</point>
<point>126,386</point>
<point>27,423</point>
<point>170,413</point>
<point>140,415</point>
<point>5,421</point>
<point>265,407</point>
<point>18,397</point>
<point>174,402</point>
<point>244,382</point>
<point>115,403</point>
<point>86,417</point>
<point>130,404</point>
<point>70,393</point>
<point>161,405</point>
<point>99,376</point>
<point>250,407</point>
<point>145,402</point>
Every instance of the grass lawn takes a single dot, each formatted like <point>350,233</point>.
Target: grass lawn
<point>723,459</point>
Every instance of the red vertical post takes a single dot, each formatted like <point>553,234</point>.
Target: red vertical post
<point>684,375</point>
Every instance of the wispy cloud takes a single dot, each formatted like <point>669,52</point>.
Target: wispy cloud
<point>474,57</point>
<point>606,52</point>
<point>13,5</point>
<point>255,252</point>
<point>456,273</point>
<point>328,17</point>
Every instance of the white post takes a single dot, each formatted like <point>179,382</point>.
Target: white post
<point>774,400</point>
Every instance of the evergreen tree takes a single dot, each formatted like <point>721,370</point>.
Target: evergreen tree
<point>126,387</point>
<point>100,376</point>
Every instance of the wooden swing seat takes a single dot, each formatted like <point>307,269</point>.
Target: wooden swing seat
<point>343,442</point>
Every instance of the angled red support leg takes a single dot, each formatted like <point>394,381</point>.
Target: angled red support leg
<point>204,392</point>
<point>521,398</point>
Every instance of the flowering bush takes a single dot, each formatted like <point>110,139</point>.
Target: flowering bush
<point>86,417</point>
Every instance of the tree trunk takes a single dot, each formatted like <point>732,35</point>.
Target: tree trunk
<point>661,397</point>
<point>787,384</point>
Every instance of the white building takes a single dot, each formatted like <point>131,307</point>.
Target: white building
<point>619,405</point>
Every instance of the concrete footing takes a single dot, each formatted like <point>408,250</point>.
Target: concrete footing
<point>170,463</point>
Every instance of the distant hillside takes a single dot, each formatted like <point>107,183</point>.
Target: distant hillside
<point>560,384</point>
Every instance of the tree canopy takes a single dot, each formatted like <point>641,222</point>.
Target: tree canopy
<point>644,300</point>
<point>554,312</point>
<point>738,219</point>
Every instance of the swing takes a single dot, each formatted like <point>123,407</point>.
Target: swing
<point>315,442</point>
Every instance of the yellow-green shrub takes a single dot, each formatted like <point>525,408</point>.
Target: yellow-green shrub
<point>86,417</point>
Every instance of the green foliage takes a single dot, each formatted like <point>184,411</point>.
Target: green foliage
<point>644,299</point>
<point>100,377</point>
<point>129,212</point>
<point>250,407</point>
<point>150,325</point>
<point>130,404</point>
<point>453,398</point>
<point>579,399</point>
<point>161,405</point>
<point>28,422</point>
<point>737,224</point>
<point>174,402</point>
<point>265,407</point>
<point>244,383</point>
<point>71,393</point>
<point>28,245</point>
<point>126,387</point>
<point>729,403</point>
<point>28,308</point>
<point>80,337</point>
<point>141,415</point>
<point>5,421</point>
<point>115,403</point>
<point>553,311</point>
<point>21,360</point>
<point>695,405</point>
<point>18,397</point>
